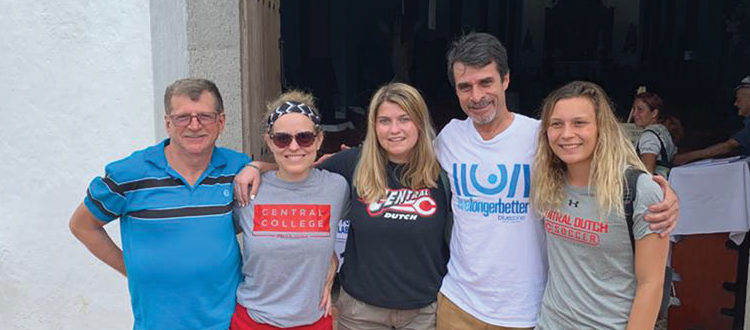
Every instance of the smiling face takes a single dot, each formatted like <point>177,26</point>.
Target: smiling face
<point>572,132</point>
<point>643,115</point>
<point>397,134</point>
<point>195,139</point>
<point>294,160</point>
<point>481,92</point>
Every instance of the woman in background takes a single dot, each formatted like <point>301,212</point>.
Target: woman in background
<point>654,147</point>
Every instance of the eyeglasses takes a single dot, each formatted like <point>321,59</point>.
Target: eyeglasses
<point>283,140</point>
<point>204,118</point>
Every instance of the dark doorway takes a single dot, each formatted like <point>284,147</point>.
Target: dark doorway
<point>691,52</point>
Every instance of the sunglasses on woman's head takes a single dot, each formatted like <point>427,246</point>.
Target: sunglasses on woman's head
<point>283,140</point>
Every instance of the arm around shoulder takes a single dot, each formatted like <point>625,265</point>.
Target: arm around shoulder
<point>663,214</point>
<point>90,231</point>
<point>246,182</point>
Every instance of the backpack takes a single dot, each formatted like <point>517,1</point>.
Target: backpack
<point>664,165</point>
<point>629,194</point>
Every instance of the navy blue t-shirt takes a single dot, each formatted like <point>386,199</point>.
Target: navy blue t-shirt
<point>396,253</point>
<point>743,137</point>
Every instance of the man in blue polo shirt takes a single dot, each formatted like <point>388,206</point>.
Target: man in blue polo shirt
<point>179,250</point>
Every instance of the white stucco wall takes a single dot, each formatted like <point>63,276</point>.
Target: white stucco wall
<point>169,51</point>
<point>199,38</point>
<point>77,93</point>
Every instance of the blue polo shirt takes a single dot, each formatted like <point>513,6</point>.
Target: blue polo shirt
<point>743,137</point>
<point>178,241</point>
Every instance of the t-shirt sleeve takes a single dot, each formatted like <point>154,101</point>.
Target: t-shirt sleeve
<point>236,217</point>
<point>104,199</point>
<point>340,193</point>
<point>648,143</point>
<point>743,136</point>
<point>242,217</point>
<point>342,163</point>
<point>649,193</point>
<point>439,145</point>
<point>346,202</point>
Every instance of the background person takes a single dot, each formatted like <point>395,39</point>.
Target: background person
<point>288,230</point>
<point>740,141</point>
<point>579,171</point>
<point>654,147</point>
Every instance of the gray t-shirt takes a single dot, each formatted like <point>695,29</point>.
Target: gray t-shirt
<point>288,232</point>
<point>648,143</point>
<point>592,282</point>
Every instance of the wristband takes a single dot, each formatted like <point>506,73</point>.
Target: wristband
<point>250,164</point>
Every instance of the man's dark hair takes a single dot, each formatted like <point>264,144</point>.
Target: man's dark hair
<point>477,49</point>
<point>192,88</point>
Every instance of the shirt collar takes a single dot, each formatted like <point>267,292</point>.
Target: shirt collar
<point>155,155</point>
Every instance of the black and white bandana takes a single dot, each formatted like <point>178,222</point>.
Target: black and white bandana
<point>292,107</point>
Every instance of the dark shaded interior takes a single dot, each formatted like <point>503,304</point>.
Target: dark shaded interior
<point>691,52</point>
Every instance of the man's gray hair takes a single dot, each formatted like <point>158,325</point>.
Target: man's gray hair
<point>476,50</point>
<point>192,88</point>
<point>744,83</point>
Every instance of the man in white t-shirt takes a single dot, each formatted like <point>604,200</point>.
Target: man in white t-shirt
<point>498,264</point>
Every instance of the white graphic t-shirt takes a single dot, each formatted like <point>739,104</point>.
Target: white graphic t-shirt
<point>498,264</point>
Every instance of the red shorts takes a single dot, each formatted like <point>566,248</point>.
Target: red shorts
<point>242,321</point>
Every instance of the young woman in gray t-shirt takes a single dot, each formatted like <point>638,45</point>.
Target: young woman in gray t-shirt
<point>596,279</point>
<point>288,229</point>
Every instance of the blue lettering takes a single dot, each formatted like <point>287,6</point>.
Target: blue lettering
<point>492,178</point>
<point>455,180</point>
<point>513,207</point>
<point>514,180</point>
<point>494,184</point>
<point>463,180</point>
<point>526,180</point>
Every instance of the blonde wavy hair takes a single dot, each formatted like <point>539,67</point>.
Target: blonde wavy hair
<point>612,154</point>
<point>421,170</point>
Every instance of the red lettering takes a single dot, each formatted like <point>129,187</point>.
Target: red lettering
<point>305,218</point>
<point>573,234</point>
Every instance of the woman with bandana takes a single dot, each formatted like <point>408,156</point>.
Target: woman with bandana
<point>289,228</point>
